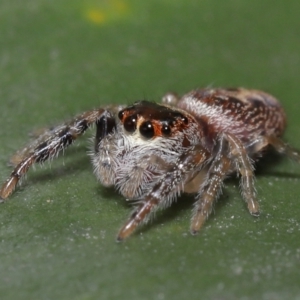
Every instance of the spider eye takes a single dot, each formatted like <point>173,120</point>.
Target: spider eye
<point>147,130</point>
<point>166,130</point>
<point>130,123</point>
<point>185,120</point>
<point>121,114</point>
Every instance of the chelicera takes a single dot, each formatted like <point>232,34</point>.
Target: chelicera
<point>154,152</point>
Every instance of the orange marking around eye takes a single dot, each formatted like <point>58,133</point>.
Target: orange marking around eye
<point>126,114</point>
<point>157,128</point>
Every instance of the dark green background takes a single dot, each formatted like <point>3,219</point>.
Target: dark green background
<point>57,235</point>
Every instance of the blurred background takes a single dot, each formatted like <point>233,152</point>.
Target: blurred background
<point>59,58</point>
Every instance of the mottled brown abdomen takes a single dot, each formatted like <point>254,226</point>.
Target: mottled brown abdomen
<point>247,114</point>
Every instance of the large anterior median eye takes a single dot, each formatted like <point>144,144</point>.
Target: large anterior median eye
<point>130,123</point>
<point>147,130</point>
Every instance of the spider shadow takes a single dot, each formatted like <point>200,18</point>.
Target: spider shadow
<point>266,165</point>
<point>78,160</point>
<point>263,168</point>
<point>178,209</point>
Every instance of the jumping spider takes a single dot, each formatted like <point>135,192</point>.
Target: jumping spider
<point>153,152</point>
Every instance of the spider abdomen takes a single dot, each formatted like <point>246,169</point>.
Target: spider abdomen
<point>247,114</point>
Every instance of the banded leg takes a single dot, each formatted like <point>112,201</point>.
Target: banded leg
<point>168,187</point>
<point>49,145</point>
<point>138,216</point>
<point>211,188</point>
<point>105,124</point>
<point>244,166</point>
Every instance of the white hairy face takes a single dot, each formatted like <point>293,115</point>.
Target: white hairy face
<point>136,155</point>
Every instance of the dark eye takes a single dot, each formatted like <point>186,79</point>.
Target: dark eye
<point>185,120</point>
<point>166,130</point>
<point>130,123</point>
<point>147,130</point>
<point>182,117</point>
<point>121,114</point>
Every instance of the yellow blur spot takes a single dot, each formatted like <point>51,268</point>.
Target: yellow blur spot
<point>96,16</point>
<point>105,11</point>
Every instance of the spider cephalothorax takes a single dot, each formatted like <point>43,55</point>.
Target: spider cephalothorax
<point>153,152</point>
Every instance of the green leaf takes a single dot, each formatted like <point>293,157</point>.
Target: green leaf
<point>57,236</point>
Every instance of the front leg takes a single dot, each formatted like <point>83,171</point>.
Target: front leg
<point>49,145</point>
<point>168,188</point>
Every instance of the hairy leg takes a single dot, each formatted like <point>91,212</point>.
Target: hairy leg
<point>162,194</point>
<point>211,188</point>
<point>245,167</point>
<point>49,145</point>
<point>232,155</point>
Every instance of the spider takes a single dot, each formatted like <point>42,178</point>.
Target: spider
<point>154,152</point>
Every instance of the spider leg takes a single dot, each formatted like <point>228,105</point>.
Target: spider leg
<point>278,144</point>
<point>36,138</point>
<point>245,167</point>
<point>50,144</point>
<point>167,188</point>
<point>211,188</point>
<point>147,206</point>
<point>231,152</point>
<point>283,148</point>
